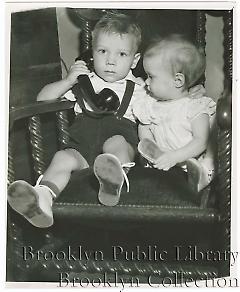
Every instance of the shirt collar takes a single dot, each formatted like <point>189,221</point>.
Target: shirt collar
<point>130,76</point>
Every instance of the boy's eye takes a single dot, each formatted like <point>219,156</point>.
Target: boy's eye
<point>123,54</point>
<point>102,51</point>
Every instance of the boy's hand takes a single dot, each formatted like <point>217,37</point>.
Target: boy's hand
<point>197,91</point>
<point>78,68</point>
<point>166,161</point>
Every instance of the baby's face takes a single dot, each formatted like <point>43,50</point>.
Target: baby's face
<point>114,55</point>
<point>160,81</point>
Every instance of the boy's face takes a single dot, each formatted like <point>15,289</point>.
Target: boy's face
<point>114,55</point>
<point>160,81</point>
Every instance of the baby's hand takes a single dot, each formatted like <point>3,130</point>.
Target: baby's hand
<point>197,91</point>
<point>166,161</point>
<point>78,68</point>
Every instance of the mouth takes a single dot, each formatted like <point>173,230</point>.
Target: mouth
<point>147,88</point>
<point>109,72</point>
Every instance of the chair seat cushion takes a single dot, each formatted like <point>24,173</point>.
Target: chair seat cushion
<point>148,186</point>
<point>154,196</point>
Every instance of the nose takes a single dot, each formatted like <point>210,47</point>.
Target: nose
<point>111,59</point>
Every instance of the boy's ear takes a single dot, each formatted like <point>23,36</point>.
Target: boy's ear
<point>135,60</point>
<point>179,80</point>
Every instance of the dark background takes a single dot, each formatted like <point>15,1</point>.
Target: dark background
<point>35,57</point>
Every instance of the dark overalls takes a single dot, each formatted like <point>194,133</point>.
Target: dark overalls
<point>89,130</point>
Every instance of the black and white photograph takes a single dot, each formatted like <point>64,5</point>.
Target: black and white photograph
<point>144,193</point>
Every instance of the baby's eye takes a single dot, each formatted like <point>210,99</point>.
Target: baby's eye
<point>123,54</point>
<point>102,51</point>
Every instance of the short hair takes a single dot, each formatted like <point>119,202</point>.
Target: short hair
<point>117,23</point>
<point>181,56</point>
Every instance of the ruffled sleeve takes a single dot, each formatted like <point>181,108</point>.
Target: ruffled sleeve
<point>198,106</point>
<point>142,109</point>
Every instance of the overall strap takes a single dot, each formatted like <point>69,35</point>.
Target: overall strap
<point>126,99</point>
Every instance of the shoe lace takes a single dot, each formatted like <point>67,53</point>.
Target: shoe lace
<point>39,180</point>
<point>38,183</point>
<point>127,166</point>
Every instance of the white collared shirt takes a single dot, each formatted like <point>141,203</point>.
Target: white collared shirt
<point>118,87</point>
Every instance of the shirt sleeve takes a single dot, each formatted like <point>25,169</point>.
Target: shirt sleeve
<point>77,109</point>
<point>198,106</point>
<point>69,95</point>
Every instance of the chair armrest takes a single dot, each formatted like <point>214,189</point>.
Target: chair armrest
<point>36,108</point>
<point>224,112</point>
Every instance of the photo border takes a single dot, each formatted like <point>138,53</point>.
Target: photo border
<point>137,4</point>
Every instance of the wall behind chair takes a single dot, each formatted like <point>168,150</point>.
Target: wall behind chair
<point>214,54</point>
<point>69,49</point>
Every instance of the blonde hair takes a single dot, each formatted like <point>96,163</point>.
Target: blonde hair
<point>180,56</point>
<point>117,23</point>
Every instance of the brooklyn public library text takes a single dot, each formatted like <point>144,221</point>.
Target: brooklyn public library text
<point>138,253</point>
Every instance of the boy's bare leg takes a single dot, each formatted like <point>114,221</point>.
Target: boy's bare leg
<point>110,168</point>
<point>62,165</point>
<point>118,146</point>
<point>35,203</point>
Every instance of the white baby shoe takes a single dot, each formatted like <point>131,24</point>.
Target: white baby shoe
<point>149,150</point>
<point>199,175</point>
<point>111,175</point>
<point>33,203</point>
